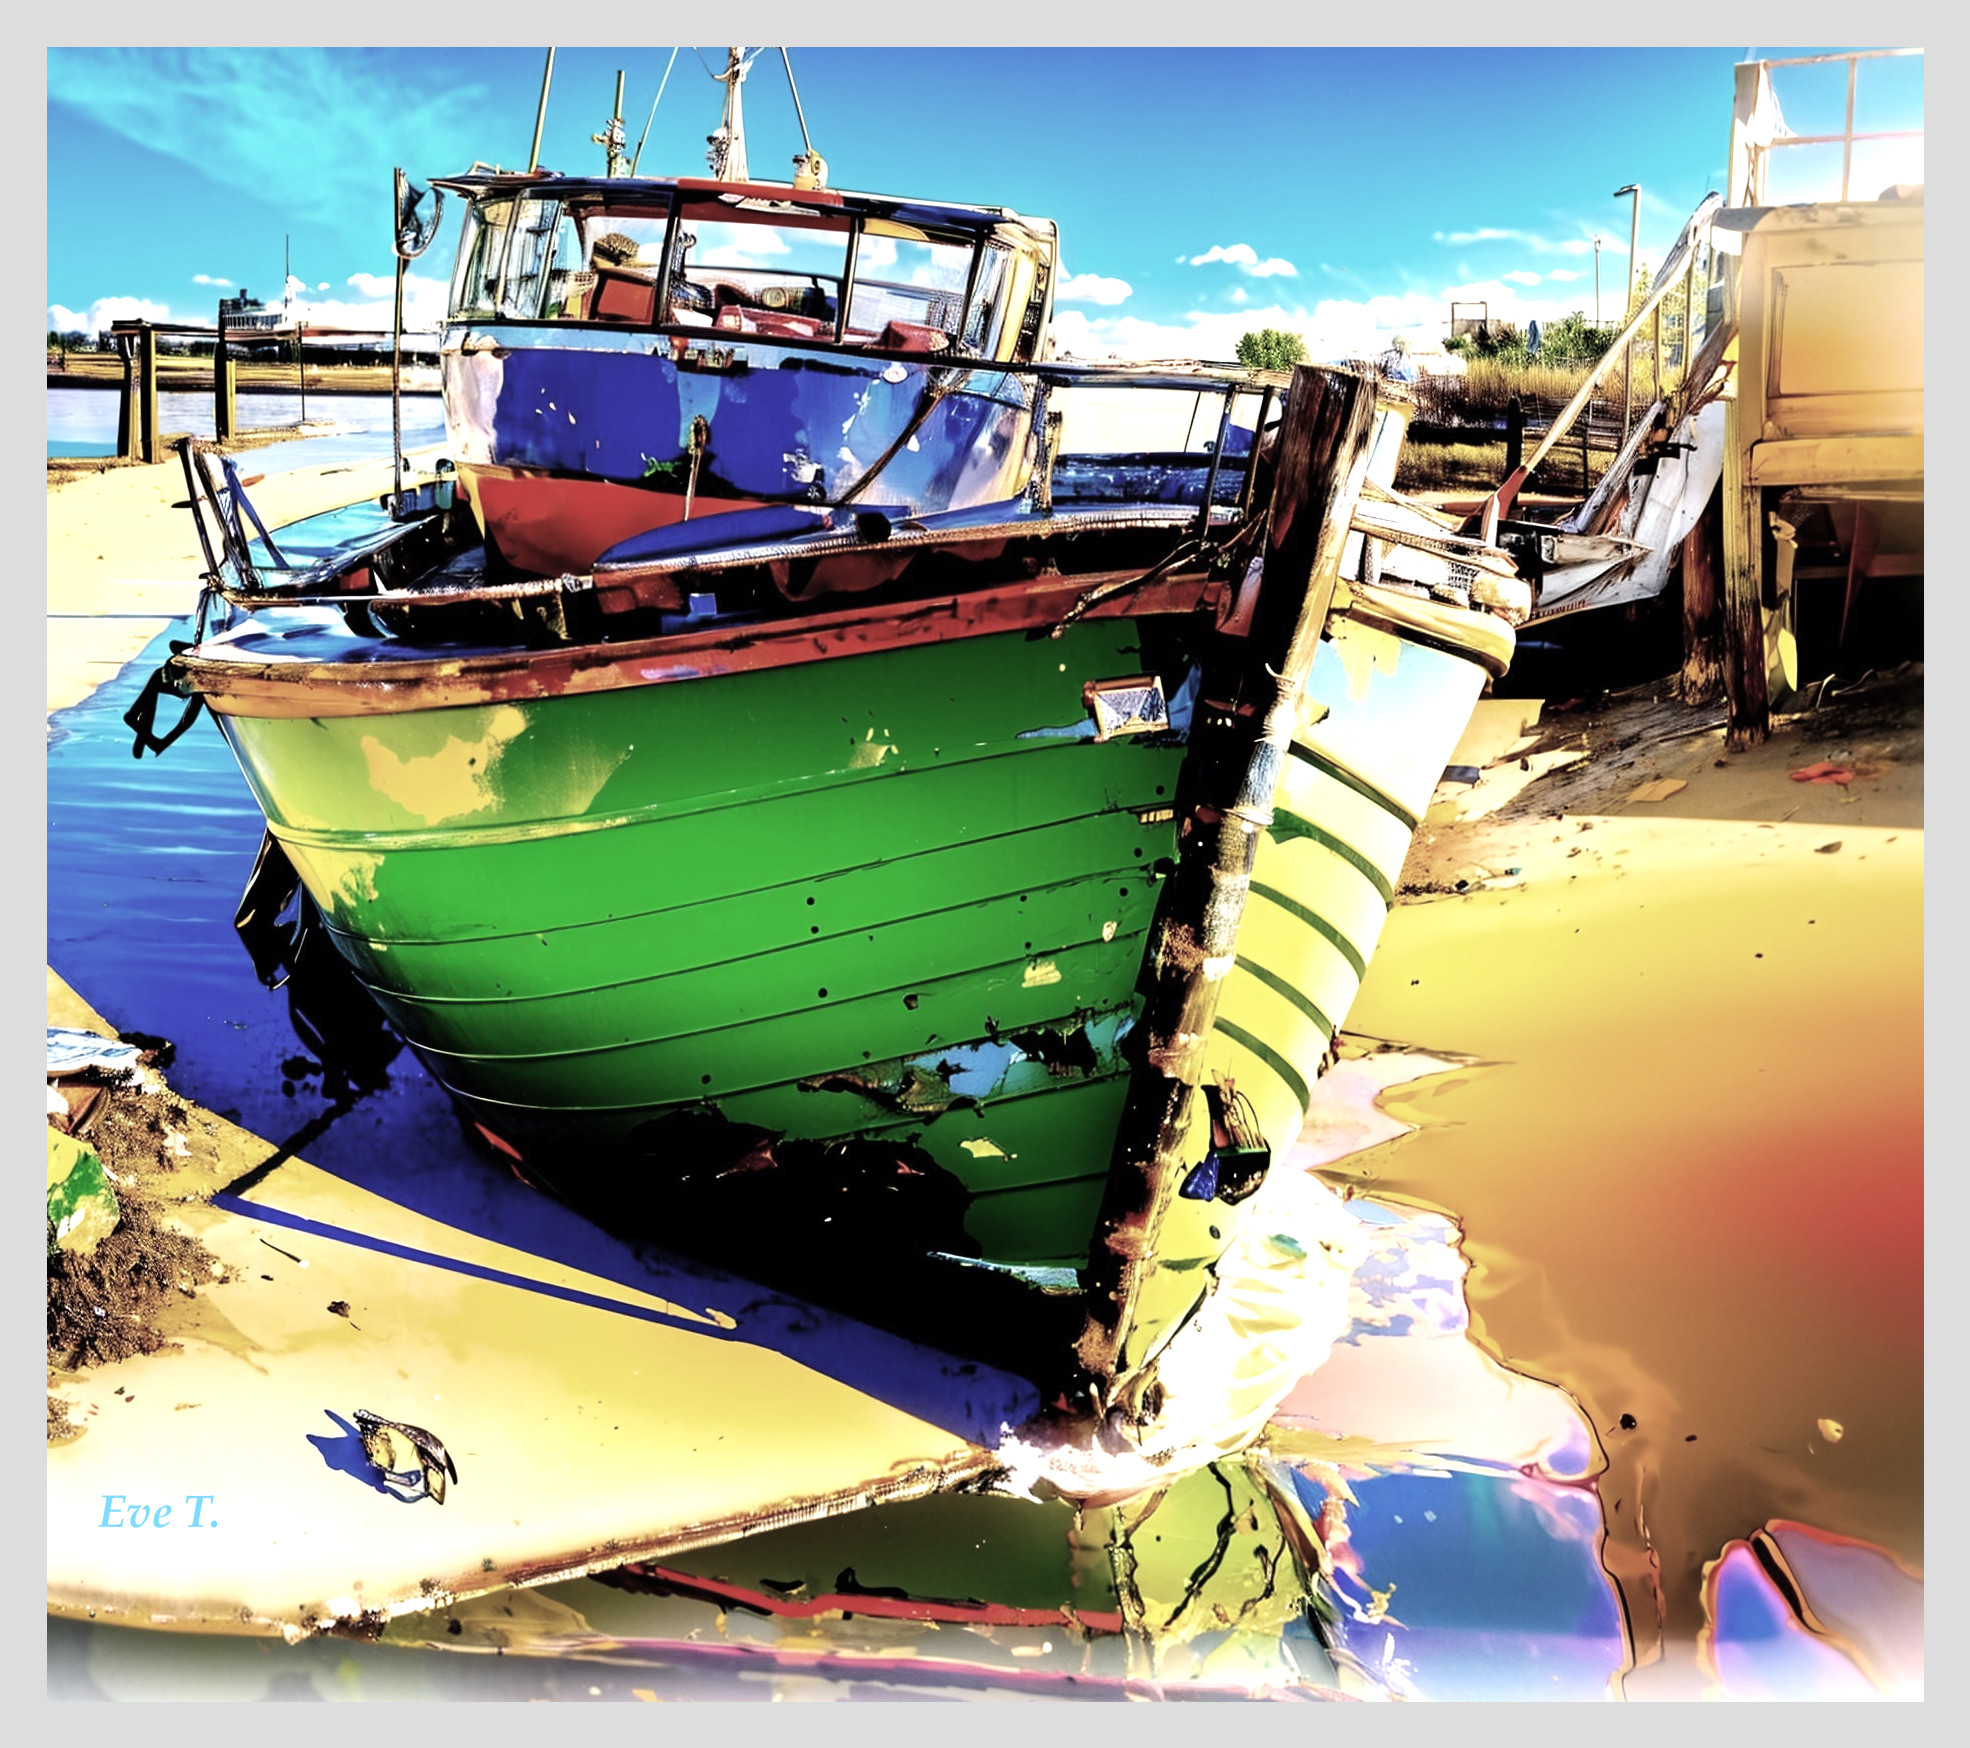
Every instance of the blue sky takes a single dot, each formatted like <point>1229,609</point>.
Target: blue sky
<point>1345,194</point>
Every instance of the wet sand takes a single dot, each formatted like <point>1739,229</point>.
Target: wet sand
<point>1688,1160</point>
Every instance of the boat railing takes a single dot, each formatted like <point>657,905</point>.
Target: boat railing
<point>1675,284</point>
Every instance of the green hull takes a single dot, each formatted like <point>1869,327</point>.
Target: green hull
<point>900,895</point>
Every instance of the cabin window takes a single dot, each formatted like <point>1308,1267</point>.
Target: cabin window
<point>985,321</point>
<point>778,276</point>
<point>504,258</point>
<point>478,257</point>
<point>909,292</point>
<point>535,260</point>
<point>607,264</point>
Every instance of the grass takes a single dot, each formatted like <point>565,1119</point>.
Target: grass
<point>1479,467</point>
<point>1488,385</point>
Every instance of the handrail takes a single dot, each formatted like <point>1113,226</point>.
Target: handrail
<point>1680,260</point>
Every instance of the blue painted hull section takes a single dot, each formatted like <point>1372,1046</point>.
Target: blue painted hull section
<point>788,424</point>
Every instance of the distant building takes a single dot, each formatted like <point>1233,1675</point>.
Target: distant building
<point>247,311</point>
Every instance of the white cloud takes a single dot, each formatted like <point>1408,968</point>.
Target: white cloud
<point>319,127</point>
<point>1239,294</point>
<point>1564,273</point>
<point>1246,259</point>
<point>1092,288</point>
<point>104,311</point>
<point>1537,244</point>
<point>371,308</point>
<point>1520,277</point>
<point>876,252</point>
<point>1333,328</point>
<point>209,279</point>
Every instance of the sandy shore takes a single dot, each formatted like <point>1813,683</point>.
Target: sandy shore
<point>123,556</point>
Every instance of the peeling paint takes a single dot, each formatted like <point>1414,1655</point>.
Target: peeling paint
<point>453,781</point>
<point>1360,657</point>
<point>1039,972</point>
<point>871,752</point>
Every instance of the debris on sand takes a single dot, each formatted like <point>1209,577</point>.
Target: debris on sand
<point>156,1150</point>
<point>103,1306</point>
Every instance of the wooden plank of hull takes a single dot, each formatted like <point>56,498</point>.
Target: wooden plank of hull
<point>772,923</point>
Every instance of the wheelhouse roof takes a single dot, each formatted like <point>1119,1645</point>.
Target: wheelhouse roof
<point>919,213</point>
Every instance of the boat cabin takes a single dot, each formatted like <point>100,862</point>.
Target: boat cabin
<point>813,267</point>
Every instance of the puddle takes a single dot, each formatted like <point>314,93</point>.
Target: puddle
<point>1689,1179</point>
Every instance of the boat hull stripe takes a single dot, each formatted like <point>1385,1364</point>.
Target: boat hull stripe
<point>1360,785</point>
<point>1294,1081</point>
<point>1319,924</point>
<point>1273,981</point>
<point>1286,825</point>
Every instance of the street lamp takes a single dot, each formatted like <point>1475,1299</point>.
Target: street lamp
<point>1634,230</point>
<point>1634,191</point>
<point>1597,282</point>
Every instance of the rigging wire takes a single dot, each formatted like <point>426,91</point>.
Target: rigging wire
<point>806,144</point>
<point>653,111</point>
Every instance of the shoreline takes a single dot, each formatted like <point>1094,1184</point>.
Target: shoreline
<point>123,557</point>
<point>174,385</point>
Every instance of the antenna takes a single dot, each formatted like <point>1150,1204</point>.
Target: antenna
<point>810,169</point>
<point>540,115</point>
<point>610,139</point>
<point>727,156</point>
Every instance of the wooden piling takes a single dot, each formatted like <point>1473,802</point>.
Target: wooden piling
<point>1701,680</point>
<point>1252,692</point>
<point>225,390</point>
<point>127,420</point>
<point>1514,435</point>
<point>1749,711</point>
<point>150,446</point>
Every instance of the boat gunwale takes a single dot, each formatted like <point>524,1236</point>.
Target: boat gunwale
<point>300,687</point>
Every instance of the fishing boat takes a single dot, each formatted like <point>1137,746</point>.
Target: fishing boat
<point>983,849</point>
<point>627,353</point>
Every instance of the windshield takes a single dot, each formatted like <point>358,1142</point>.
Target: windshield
<point>771,272</point>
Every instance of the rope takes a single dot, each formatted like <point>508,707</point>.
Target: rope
<point>653,110</point>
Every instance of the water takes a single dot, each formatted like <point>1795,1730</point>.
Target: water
<point>82,422</point>
<point>1654,1228</point>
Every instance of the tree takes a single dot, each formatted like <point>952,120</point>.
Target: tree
<point>1271,349</point>
<point>1572,340</point>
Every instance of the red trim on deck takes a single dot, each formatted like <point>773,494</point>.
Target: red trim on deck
<point>550,523</point>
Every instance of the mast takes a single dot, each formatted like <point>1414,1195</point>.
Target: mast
<point>728,145</point>
<point>611,138</point>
